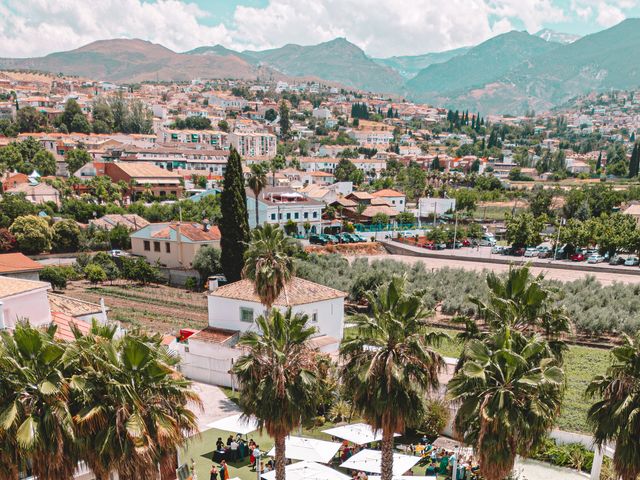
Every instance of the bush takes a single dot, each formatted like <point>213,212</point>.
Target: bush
<point>95,273</point>
<point>32,233</point>
<point>434,419</point>
<point>572,455</point>
<point>191,283</point>
<point>138,270</point>
<point>8,242</point>
<point>56,276</point>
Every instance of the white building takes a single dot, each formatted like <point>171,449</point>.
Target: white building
<point>395,199</point>
<point>208,355</point>
<point>254,144</point>
<point>429,206</point>
<point>279,205</point>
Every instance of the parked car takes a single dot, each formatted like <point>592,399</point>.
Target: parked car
<point>466,242</point>
<point>345,238</point>
<point>617,260</point>
<point>332,238</point>
<point>531,252</point>
<point>632,261</point>
<point>577,257</point>
<point>318,240</point>
<point>116,253</point>
<point>497,249</point>
<point>441,246</point>
<point>457,245</point>
<point>595,258</point>
<point>405,235</point>
<point>430,246</point>
<point>487,241</point>
<point>514,252</point>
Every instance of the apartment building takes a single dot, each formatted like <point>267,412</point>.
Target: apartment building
<point>216,139</point>
<point>254,144</point>
<point>144,177</point>
<point>279,205</point>
<point>200,160</point>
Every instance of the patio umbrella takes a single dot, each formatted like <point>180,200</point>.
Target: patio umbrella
<point>308,471</point>
<point>358,433</point>
<point>370,461</point>
<point>309,449</point>
<point>235,424</point>
<point>395,477</point>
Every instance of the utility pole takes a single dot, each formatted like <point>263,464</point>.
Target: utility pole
<point>455,230</point>
<point>555,253</point>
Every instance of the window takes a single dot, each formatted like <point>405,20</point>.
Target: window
<point>246,314</point>
<point>288,216</point>
<point>156,246</point>
<point>314,317</point>
<point>306,214</point>
<point>167,247</point>
<point>147,246</point>
<point>273,216</point>
<point>315,214</point>
<point>296,215</point>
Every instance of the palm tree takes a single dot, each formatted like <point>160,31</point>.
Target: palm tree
<point>256,182</point>
<point>615,417</point>
<point>132,409</point>
<point>524,303</point>
<point>509,392</point>
<point>268,263</point>
<point>389,367</point>
<point>35,422</point>
<point>279,376</point>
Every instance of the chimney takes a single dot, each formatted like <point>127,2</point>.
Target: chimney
<point>213,284</point>
<point>205,224</point>
<point>2,324</point>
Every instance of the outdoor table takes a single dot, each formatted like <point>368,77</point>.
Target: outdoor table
<point>219,455</point>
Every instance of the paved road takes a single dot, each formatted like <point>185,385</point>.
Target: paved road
<point>215,405</point>
<point>57,261</point>
<point>605,278</point>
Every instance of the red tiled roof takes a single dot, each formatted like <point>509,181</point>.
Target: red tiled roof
<point>17,262</point>
<point>387,192</point>
<point>213,335</point>
<point>193,231</point>
<point>64,323</point>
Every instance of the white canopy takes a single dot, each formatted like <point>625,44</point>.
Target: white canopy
<point>235,424</point>
<point>308,471</point>
<point>358,433</point>
<point>370,461</point>
<point>310,449</point>
<point>395,477</point>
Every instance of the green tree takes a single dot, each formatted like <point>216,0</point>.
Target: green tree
<point>102,117</point>
<point>285,123</point>
<point>57,276</point>
<point>634,164</point>
<point>37,425</point>
<point>65,236</point>
<point>540,201</point>
<point>270,115</point>
<point>279,377</point>
<point>406,218</point>
<point>344,170</point>
<point>76,159</point>
<point>524,229</point>
<point>381,219</point>
<point>131,407</point>
<point>257,181</point>
<point>234,224</point>
<point>207,262</point>
<point>267,263</point>
<point>8,242</point>
<point>466,199</point>
<point>32,233</point>
<point>119,236</point>
<point>71,109</point>
<point>389,367</point>
<point>11,158</point>
<point>614,416</point>
<point>95,273</point>
<point>43,162</point>
<point>29,120</point>
<point>14,205</point>
<point>80,124</point>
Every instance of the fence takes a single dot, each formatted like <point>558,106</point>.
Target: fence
<point>206,369</point>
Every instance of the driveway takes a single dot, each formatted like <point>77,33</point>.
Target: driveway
<point>216,405</point>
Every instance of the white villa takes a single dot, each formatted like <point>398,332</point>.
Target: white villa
<point>209,354</point>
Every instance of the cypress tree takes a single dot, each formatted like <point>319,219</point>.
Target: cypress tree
<point>234,224</point>
<point>634,164</point>
<point>599,162</point>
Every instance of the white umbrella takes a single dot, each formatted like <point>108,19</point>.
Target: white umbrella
<point>370,461</point>
<point>308,471</point>
<point>358,433</point>
<point>235,424</point>
<point>310,449</point>
<point>395,477</point>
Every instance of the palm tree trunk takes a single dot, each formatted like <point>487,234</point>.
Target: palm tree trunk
<point>280,460</point>
<point>387,454</point>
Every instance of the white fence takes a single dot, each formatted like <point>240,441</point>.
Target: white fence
<point>205,369</point>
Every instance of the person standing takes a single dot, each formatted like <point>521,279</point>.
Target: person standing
<point>213,474</point>
<point>224,470</point>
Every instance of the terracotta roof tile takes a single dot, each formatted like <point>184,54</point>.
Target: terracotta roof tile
<point>72,306</point>
<point>298,292</point>
<point>214,335</point>
<point>387,192</point>
<point>64,323</point>
<point>17,262</point>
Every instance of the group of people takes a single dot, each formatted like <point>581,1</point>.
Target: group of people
<point>219,473</point>
<point>441,464</point>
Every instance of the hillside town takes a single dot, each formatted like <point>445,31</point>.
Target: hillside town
<point>297,279</point>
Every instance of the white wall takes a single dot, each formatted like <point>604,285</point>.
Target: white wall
<point>225,313</point>
<point>32,306</point>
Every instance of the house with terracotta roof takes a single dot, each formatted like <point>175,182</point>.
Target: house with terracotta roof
<point>131,221</point>
<point>23,300</point>
<point>281,205</point>
<point>17,265</point>
<point>145,177</point>
<point>174,244</point>
<point>395,199</point>
<point>209,354</point>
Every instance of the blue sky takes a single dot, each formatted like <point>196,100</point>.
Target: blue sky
<point>380,27</point>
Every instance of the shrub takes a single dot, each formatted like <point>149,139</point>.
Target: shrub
<point>191,283</point>
<point>65,236</point>
<point>56,276</point>
<point>95,273</point>
<point>434,419</point>
<point>8,242</point>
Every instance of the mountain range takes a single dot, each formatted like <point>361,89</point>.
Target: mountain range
<point>509,73</point>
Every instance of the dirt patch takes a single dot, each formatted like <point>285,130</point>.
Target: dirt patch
<point>349,249</point>
<point>157,308</point>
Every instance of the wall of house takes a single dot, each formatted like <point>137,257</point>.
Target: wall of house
<point>173,259</point>
<point>35,275</point>
<point>32,306</point>
<point>225,313</point>
<point>208,362</point>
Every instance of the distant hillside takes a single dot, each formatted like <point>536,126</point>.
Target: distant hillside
<point>337,61</point>
<point>410,66</point>
<point>125,60</point>
<point>484,63</point>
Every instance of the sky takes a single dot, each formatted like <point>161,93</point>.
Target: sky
<point>381,28</point>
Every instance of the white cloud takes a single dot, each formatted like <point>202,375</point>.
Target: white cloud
<point>380,27</point>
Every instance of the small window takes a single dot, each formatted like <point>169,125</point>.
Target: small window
<point>273,216</point>
<point>156,246</point>
<point>314,317</point>
<point>306,214</point>
<point>167,247</point>
<point>147,246</point>
<point>288,216</point>
<point>315,214</point>
<point>246,314</point>
<point>296,215</point>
